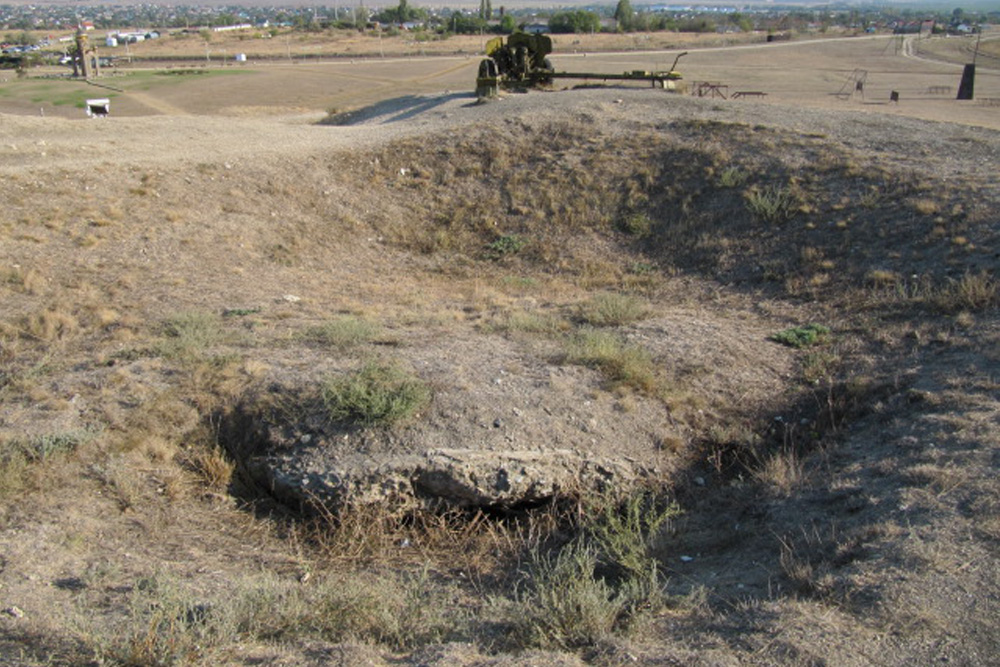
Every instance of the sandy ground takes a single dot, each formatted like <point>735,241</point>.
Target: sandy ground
<point>810,73</point>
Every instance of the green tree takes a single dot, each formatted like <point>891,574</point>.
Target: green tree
<point>578,21</point>
<point>741,21</point>
<point>624,15</point>
<point>462,24</point>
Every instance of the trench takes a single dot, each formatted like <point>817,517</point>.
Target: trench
<point>749,213</point>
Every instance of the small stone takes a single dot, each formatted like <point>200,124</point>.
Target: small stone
<point>700,481</point>
<point>686,559</point>
<point>291,298</point>
<point>497,423</point>
<point>14,612</point>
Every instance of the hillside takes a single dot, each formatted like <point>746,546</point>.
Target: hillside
<point>593,280</point>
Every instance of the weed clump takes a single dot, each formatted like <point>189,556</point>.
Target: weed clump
<point>375,394</point>
<point>772,205</point>
<point>505,246</point>
<point>638,225</point>
<point>605,581</point>
<point>732,177</point>
<point>800,337</point>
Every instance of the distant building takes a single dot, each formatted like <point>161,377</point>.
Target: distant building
<point>227,28</point>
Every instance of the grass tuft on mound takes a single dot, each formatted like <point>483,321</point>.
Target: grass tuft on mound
<point>378,393</point>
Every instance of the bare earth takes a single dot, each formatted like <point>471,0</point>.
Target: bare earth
<point>840,502</point>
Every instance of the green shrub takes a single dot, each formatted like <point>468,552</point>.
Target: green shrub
<point>804,336</point>
<point>564,605</point>
<point>376,394</point>
<point>638,225</point>
<point>605,581</point>
<point>623,533</point>
<point>509,244</point>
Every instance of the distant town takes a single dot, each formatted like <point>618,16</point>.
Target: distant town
<point>30,31</point>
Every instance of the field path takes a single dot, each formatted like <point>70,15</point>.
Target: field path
<point>157,104</point>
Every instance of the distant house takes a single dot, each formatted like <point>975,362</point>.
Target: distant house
<point>227,28</point>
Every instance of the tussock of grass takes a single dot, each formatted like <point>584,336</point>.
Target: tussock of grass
<point>14,468</point>
<point>623,364</point>
<point>563,605</point>
<point>45,446</point>
<point>375,394</point>
<point>772,204</point>
<point>612,310</point>
<point>532,322</point>
<point>188,335</point>
<point>732,177</point>
<point>20,456</point>
<point>342,332</point>
<point>51,324</point>
<point>213,467</point>
<point>972,292</point>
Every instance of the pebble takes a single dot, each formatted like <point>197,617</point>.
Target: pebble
<point>686,559</point>
<point>14,612</point>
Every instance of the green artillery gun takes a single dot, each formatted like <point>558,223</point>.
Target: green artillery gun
<point>522,62</point>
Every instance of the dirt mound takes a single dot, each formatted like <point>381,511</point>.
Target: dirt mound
<point>778,320</point>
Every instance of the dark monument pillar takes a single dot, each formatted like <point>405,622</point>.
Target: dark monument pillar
<point>968,82</point>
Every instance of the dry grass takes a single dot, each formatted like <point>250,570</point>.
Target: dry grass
<point>531,232</point>
<point>623,364</point>
<point>613,310</point>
